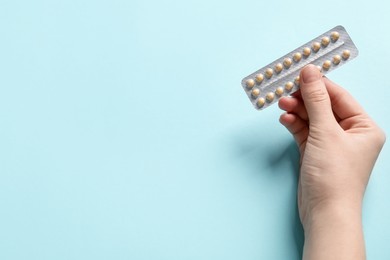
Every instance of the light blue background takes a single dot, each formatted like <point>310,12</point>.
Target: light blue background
<point>125,133</point>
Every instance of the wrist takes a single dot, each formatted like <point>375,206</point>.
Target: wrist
<point>333,215</point>
<point>334,232</point>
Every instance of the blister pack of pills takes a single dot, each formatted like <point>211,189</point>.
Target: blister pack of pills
<point>280,78</point>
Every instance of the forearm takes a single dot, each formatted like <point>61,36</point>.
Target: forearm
<point>335,233</point>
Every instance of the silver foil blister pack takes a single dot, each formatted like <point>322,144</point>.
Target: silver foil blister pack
<point>280,78</point>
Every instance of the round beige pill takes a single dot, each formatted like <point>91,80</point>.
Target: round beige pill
<point>250,83</point>
<point>289,85</point>
<point>260,102</point>
<point>255,92</point>
<point>297,56</point>
<point>326,64</point>
<point>296,80</point>
<point>306,51</point>
<point>279,91</point>
<point>346,54</point>
<point>259,78</point>
<point>334,36</point>
<point>316,46</point>
<point>287,62</point>
<point>270,96</point>
<point>278,67</point>
<point>269,72</point>
<point>336,59</point>
<point>325,41</point>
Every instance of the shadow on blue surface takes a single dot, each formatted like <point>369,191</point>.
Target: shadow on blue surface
<point>290,154</point>
<point>270,159</point>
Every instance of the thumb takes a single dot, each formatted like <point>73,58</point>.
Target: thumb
<point>316,97</point>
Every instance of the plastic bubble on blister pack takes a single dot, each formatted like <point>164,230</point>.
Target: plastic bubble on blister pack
<point>280,78</point>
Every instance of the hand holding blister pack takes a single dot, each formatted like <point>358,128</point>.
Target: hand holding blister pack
<point>280,78</point>
<point>337,140</point>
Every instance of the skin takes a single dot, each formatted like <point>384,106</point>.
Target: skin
<point>339,144</point>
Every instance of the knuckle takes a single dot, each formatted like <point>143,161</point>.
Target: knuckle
<point>381,137</point>
<point>317,95</point>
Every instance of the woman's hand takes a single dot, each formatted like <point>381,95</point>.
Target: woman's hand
<point>339,144</point>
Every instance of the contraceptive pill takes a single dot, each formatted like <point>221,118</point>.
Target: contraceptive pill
<point>260,102</point>
<point>287,62</point>
<point>269,72</point>
<point>259,78</point>
<point>255,92</point>
<point>325,41</point>
<point>278,67</point>
<point>306,51</point>
<point>288,86</point>
<point>270,96</point>
<point>336,59</point>
<point>296,80</point>
<point>316,46</point>
<point>279,91</point>
<point>297,56</point>
<point>346,54</point>
<point>326,65</point>
<point>280,78</point>
<point>250,83</point>
<point>335,36</point>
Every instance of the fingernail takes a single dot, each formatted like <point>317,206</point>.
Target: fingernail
<point>310,73</point>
